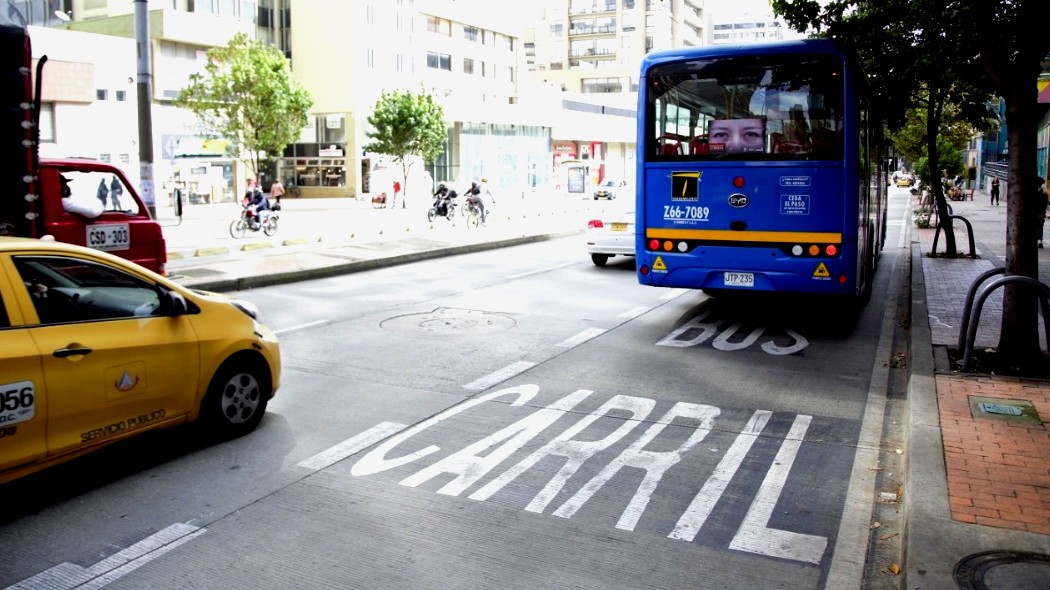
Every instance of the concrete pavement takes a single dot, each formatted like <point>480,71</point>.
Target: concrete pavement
<point>976,503</point>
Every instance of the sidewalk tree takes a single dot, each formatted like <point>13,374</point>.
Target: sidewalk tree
<point>405,124</point>
<point>959,52</point>
<point>247,96</point>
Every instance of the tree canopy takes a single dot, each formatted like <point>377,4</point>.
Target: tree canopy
<point>404,124</point>
<point>931,54</point>
<point>247,96</point>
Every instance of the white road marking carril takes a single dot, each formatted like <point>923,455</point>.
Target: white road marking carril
<point>469,466</point>
<point>541,270</point>
<point>352,445</point>
<point>301,327</point>
<point>499,376</point>
<point>574,451</point>
<point>696,514</point>
<point>634,312</point>
<point>582,337</point>
<point>654,463</point>
<point>67,576</point>
<point>755,535</point>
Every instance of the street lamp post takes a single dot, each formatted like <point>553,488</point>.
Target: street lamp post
<point>145,98</point>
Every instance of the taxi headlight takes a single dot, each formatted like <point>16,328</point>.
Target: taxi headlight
<point>247,307</point>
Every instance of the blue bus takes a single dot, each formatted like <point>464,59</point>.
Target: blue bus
<point>761,168</point>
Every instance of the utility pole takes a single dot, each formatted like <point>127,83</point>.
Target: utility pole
<point>145,97</point>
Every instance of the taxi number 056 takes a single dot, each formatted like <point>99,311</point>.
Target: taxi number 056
<point>109,236</point>
<point>17,402</point>
<point>683,212</point>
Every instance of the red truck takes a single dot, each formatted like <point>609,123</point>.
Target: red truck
<point>32,206</point>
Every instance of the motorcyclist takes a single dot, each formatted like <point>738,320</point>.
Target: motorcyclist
<point>441,199</point>
<point>259,204</point>
<point>474,198</point>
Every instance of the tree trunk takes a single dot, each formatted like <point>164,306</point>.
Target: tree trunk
<point>1019,339</point>
<point>944,218</point>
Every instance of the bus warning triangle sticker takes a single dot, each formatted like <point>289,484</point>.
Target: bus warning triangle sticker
<point>658,264</point>
<point>821,272</point>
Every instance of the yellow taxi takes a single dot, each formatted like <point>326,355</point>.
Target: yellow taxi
<point>95,349</point>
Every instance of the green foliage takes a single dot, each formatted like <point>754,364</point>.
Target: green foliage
<point>247,96</point>
<point>404,124</point>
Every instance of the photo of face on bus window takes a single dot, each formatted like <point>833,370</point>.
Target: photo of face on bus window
<point>733,136</point>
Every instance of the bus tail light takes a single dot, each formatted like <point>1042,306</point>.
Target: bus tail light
<point>654,244</point>
<point>738,182</point>
<point>831,250</point>
<point>643,270</point>
<point>842,279</point>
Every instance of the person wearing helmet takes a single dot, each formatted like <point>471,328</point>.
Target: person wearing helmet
<point>474,197</point>
<point>441,198</point>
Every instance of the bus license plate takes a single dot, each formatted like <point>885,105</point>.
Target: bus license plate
<point>109,236</point>
<point>740,279</point>
<point>619,226</point>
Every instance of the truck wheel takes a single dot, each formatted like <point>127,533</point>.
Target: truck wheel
<point>236,399</point>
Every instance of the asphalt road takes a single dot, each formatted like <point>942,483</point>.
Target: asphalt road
<point>515,418</point>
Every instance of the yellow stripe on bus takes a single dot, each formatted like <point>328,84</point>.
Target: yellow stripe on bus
<point>725,235</point>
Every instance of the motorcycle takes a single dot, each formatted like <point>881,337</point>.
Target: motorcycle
<point>444,206</point>
<point>250,220</point>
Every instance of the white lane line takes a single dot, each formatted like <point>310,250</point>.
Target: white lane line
<point>674,293</point>
<point>300,327</point>
<point>539,270</point>
<point>499,376</point>
<point>352,445</point>
<point>634,312</point>
<point>582,337</point>
<point>67,576</point>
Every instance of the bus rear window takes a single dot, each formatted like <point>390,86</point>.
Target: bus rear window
<point>768,107</point>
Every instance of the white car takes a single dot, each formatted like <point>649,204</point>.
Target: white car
<point>610,188</point>
<point>610,231</point>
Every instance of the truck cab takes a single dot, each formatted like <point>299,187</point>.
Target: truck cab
<point>125,227</point>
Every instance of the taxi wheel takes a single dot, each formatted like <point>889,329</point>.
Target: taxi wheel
<point>599,259</point>
<point>236,398</point>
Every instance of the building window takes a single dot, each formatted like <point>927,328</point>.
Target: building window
<point>439,25</point>
<point>439,61</point>
<point>468,65</point>
<point>102,94</point>
<point>471,33</point>
<point>122,96</point>
<point>601,85</point>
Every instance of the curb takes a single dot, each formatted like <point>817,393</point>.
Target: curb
<point>249,282</point>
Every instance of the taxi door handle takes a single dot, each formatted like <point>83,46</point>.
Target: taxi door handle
<point>65,352</point>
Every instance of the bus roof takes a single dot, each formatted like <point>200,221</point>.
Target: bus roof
<point>654,58</point>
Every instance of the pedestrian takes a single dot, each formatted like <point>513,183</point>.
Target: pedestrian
<point>276,191</point>
<point>103,192</point>
<point>116,189</point>
<point>397,191</point>
<point>1039,215</point>
<point>995,191</point>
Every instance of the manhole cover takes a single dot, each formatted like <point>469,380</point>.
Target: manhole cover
<point>1002,570</point>
<point>448,320</point>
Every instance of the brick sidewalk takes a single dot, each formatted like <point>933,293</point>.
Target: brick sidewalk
<point>997,470</point>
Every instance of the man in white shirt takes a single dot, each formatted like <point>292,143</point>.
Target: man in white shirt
<point>89,209</point>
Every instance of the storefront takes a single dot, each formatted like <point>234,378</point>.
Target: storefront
<point>317,164</point>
